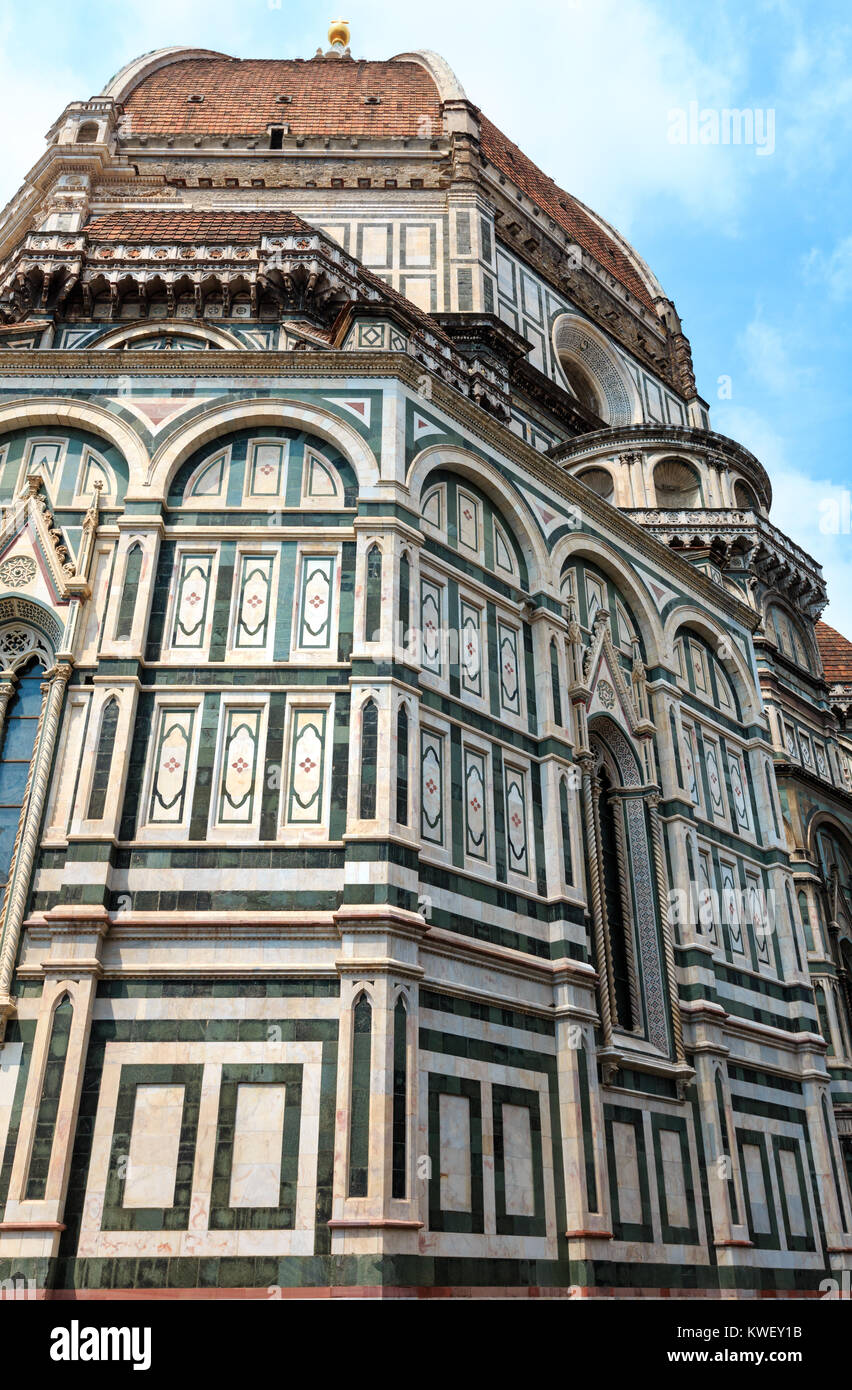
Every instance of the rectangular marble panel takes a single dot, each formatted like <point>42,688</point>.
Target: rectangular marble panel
<point>154,1143</point>
<point>258,1134</point>
<point>454,1120</point>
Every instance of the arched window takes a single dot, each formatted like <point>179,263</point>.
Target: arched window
<point>726,1148</point>
<point>788,636</point>
<point>676,485</point>
<point>805,917</point>
<point>373,606</point>
<point>127,607</point>
<point>567,858</point>
<point>103,761</point>
<point>87,133</point>
<point>402,766</point>
<point>554,683</point>
<point>824,1024</point>
<point>793,929</point>
<point>580,385</point>
<point>618,926</point>
<point>744,497</point>
<point>18,744</point>
<point>399,1165</point>
<point>404,599</point>
<point>48,1107</point>
<point>359,1107</point>
<point>600,481</point>
<point>369,759</point>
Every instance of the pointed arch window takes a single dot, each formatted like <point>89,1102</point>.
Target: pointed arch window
<point>399,1164</point>
<point>824,1023</point>
<point>359,1107</point>
<point>103,760</point>
<point>617,903</point>
<point>554,683</point>
<point>369,760</point>
<point>373,606</point>
<point>726,1148</point>
<point>402,766</point>
<point>16,753</point>
<point>129,594</point>
<point>567,858</point>
<point>48,1107</point>
<point>805,916</point>
<point>404,599</point>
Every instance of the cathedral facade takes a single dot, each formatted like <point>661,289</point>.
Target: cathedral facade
<point>426,783</point>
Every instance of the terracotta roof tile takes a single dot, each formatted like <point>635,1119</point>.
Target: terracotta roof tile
<point>240,97</point>
<point>141,225</point>
<point>190,227</point>
<point>566,212</point>
<point>836,653</point>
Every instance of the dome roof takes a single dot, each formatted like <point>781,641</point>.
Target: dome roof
<point>836,653</point>
<point>329,96</point>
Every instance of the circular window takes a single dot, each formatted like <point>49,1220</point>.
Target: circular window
<point>676,485</point>
<point>580,385</point>
<point>600,481</point>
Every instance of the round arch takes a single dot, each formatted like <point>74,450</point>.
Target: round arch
<point>28,629</point>
<point>581,342</point>
<point>508,502</point>
<point>127,335</point>
<point>618,745</point>
<point>226,418</point>
<point>824,820</point>
<point>61,413</point>
<point>582,546</point>
<point>733,663</point>
<point>773,601</point>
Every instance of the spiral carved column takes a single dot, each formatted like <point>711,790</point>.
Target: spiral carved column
<point>597,904</point>
<point>665,925</point>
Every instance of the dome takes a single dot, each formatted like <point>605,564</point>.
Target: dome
<point>197,92</point>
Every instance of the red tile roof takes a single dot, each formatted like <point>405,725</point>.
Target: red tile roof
<point>836,653</point>
<point>141,225</point>
<point>327,98</point>
<point>566,212</point>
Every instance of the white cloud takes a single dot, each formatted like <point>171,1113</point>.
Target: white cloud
<point>766,351</point>
<point>833,270</point>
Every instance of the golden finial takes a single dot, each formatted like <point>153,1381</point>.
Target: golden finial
<point>338,33</point>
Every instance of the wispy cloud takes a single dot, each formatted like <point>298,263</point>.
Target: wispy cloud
<point>766,352</point>
<point>832,269</point>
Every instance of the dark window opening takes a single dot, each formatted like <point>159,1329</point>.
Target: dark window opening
<point>609,808</point>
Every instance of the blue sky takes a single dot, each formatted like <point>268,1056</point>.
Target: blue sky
<point>755,249</point>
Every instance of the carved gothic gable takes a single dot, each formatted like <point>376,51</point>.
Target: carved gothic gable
<point>608,690</point>
<point>34,559</point>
